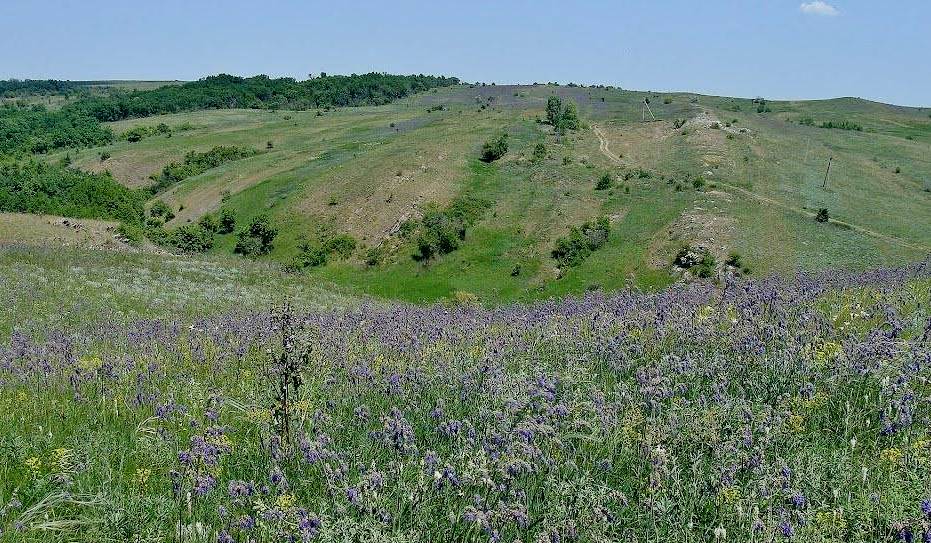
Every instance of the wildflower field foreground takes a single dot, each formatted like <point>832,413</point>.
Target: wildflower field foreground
<point>764,410</point>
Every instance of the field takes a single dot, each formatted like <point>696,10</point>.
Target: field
<point>157,400</point>
<point>364,171</point>
<point>542,372</point>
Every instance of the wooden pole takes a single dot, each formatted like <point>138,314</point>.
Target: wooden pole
<point>825,184</point>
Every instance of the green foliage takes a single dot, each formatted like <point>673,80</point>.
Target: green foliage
<point>209,222</point>
<point>35,130</point>
<point>806,121</point>
<point>605,182</point>
<point>139,133</point>
<point>133,233</point>
<point>259,92</point>
<point>699,261</point>
<point>375,255</point>
<point>539,152</point>
<point>573,249</point>
<point>256,240</point>
<point>195,163</point>
<point>441,231</point>
<point>561,116</point>
<point>842,125</point>
<point>35,187</point>
<point>227,221</point>
<point>312,255</point>
<point>162,211</point>
<point>495,148</point>
<point>823,215</point>
<point>192,238</point>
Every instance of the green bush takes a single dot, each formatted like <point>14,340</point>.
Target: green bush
<point>227,221</point>
<point>195,163</point>
<point>605,182</point>
<point>539,152</point>
<point>573,249</point>
<point>823,215</point>
<point>192,238</point>
<point>256,240</point>
<point>561,116</point>
<point>210,223</point>
<point>842,125</point>
<point>37,187</point>
<point>441,231</point>
<point>162,211</point>
<point>495,148</point>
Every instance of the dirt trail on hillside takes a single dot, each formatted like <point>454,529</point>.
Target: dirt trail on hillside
<point>606,151</point>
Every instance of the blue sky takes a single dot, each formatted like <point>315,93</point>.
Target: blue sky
<point>772,48</point>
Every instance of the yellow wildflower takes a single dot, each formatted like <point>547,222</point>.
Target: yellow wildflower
<point>285,501</point>
<point>890,456</point>
<point>34,463</point>
<point>141,476</point>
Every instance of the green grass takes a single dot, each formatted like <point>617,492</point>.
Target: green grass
<point>339,173</point>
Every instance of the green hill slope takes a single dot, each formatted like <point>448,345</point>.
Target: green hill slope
<point>724,174</point>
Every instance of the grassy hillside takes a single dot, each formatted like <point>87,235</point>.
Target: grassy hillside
<point>364,171</point>
<point>178,405</point>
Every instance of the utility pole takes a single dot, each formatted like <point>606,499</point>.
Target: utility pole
<point>643,113</point>
<point>825,184</point>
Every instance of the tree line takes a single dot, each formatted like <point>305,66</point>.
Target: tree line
<point>260,92</point>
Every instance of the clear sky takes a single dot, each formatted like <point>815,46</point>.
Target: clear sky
<point>874,49</point>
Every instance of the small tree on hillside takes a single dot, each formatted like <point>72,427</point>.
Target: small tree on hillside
<point>495,148</point>
<point>257,238</point>
<point>227,221</point>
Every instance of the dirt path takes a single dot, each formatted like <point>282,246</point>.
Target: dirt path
<point>606,151</point>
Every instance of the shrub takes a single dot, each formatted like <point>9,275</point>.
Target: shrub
<point>700,261</point>
<point>192,238</point>
<point>573,249</point>
<point>227,221</point>
<point>195,163</point>
<point>698,183</point>
<point>539,152</point>
<point>375,255</point>
<point>734,260</point>
<point>605,182</point>
<point>37,187</point>
<point>162,211</point>
<point>131,232</point>
<point>441,231</point>
<point>842,125</point>
<point>823,215</point>
<point>209,223</point>
<point>341,245</point>
<point>257,239</point>
<point>495,148</point>
<point>104,156</point>
<point>561,116</point>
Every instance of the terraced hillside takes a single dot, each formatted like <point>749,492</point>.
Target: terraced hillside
<point>722,174</point>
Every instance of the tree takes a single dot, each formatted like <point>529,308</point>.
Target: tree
<point>161,210</point>
<point>495,148</point>
<point>539,152</point>
<point>257,239</point>
<point>563,117</point>
<point>823,215</point>
<point>227,221</point>
<point>553,109</point>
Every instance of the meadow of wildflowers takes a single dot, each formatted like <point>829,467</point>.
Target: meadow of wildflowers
<point>780,409</point>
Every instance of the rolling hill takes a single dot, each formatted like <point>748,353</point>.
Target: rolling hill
<point>722,174</point>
